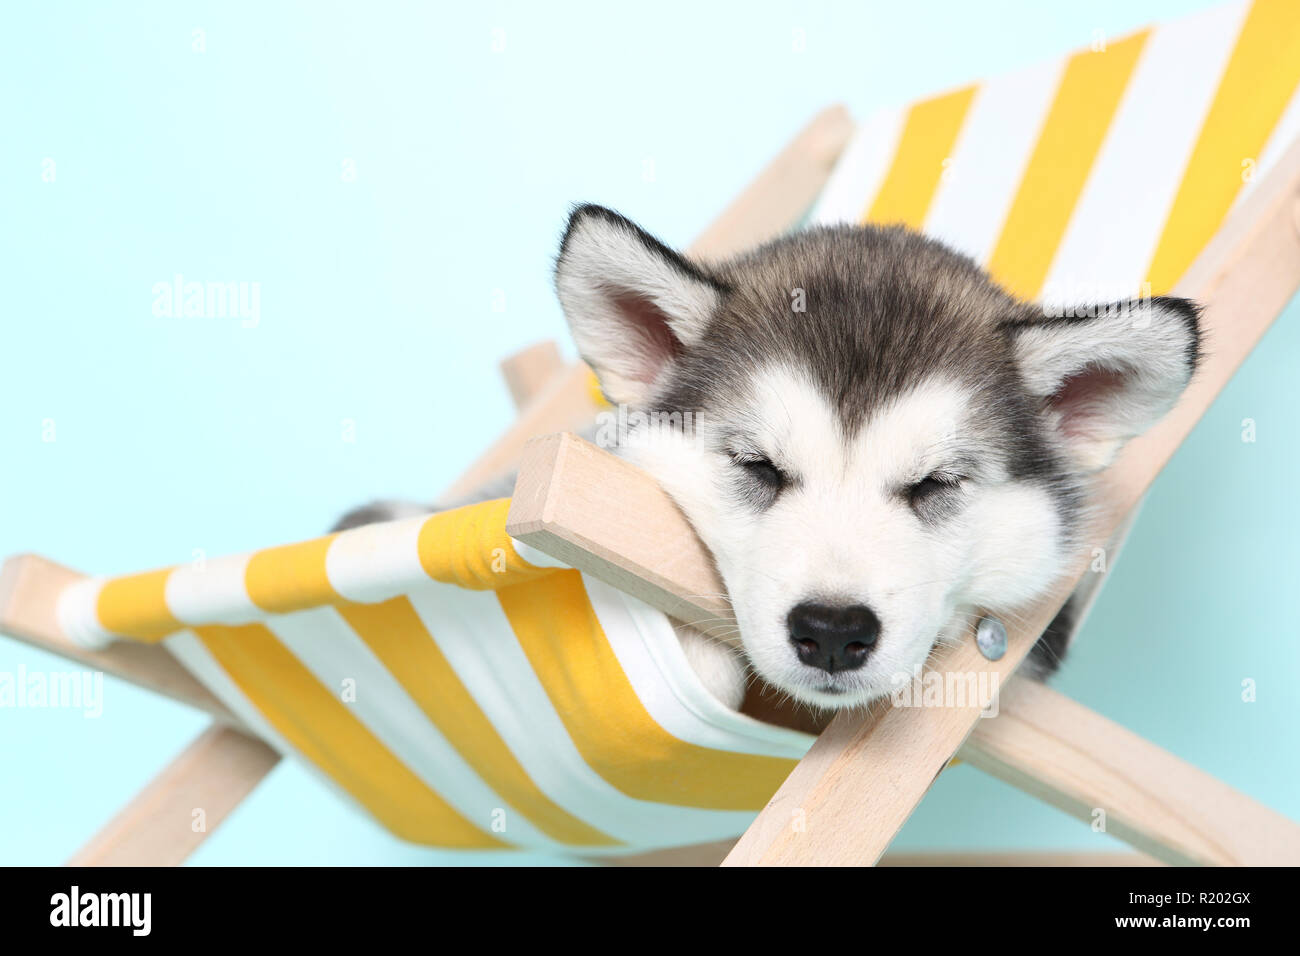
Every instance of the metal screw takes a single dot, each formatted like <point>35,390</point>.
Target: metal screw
<point>991,638</point>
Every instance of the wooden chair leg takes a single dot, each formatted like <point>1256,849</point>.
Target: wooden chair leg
<point>1092,768</point>
<point>169,818</point>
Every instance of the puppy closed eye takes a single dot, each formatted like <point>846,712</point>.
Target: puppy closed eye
<point>936,495</point>
<point>761,470</point>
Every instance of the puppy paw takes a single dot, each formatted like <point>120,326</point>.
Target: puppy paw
<point>720,668</point>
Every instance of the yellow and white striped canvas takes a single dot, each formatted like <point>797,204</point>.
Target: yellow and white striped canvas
<point>463,688</point>
<point>1095,177</point>
<point>470,693</point>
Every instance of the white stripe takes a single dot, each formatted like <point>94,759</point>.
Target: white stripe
<point>334,653</point>
<point>1112,236</point>
<point>475,636</point>
<point>861,169</point>
<point>652,657</point>
<point>989,159</point>
<point>376,562</point>
<point>78,615</point>
<point>189,649</point>
<point>212,593</point>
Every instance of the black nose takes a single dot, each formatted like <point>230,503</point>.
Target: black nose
<point>833,638</point>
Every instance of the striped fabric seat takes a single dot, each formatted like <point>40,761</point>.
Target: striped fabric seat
<point>469,692</point>
<point>463,688</point>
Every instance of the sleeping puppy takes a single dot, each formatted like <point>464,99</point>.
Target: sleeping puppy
<point>873,439</point>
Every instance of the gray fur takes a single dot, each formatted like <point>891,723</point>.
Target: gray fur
<point>885,309</point>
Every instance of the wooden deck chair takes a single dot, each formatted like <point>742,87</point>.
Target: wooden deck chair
<point>364,653</point>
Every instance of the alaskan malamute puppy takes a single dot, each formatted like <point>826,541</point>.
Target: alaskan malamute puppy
<point>882,443</point>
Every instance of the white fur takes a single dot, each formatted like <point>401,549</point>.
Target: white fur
<point>844,534</point>
<point>602,260</point>
<point>720,669</point>
<point>1147,344</point>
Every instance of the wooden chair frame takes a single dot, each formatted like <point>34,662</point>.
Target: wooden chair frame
<point>848,797</point>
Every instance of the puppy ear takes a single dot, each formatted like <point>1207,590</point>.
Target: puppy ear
<point>1108,373</point>
<point>632,303</point>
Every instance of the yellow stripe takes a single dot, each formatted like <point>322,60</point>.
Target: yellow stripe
<point>1072,134</point>
<point>469,547</point>
<point>291,577</point>
<point>394,631</point>
<point>928,136</point>
<point>1259,81</point>
<point>135,606</point>
<point>608,723</point>
<point>321,727</point>
<point>597,393</point>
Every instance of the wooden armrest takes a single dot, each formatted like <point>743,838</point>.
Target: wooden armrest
<point>598,513</point>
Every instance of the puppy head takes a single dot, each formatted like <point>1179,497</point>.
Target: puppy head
<point>872,438</point>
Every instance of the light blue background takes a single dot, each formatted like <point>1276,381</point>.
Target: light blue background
<point>377,306</point>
